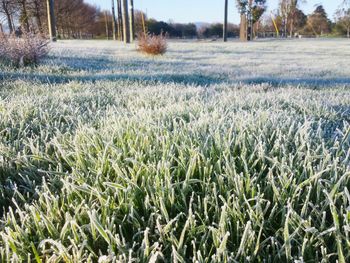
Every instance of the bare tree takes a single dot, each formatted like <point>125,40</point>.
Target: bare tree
<point>62,18</point>
<point>36,11</point>
<point>343,17</point>
<point>7,7</point>
<point>24,16</point>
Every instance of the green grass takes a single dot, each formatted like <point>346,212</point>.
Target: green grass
<point>142,171</point>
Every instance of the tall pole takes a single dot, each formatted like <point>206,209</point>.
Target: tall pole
<point>114,25</point>
<point>132,21</point>
<point>106,24</point>
<point>120,20</point>
<point>250,21</point>
<point>126,29</point>
<point>51,20</point>
<point>143,23</point>
<point>225,21</point>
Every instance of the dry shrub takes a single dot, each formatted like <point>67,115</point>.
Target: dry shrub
<point>26,50</point>
<point>152,44</point>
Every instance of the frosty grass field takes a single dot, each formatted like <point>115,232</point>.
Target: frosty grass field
<point>215,152</point>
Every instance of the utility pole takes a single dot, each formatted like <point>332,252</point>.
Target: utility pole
<point>225,21</point>
<point>114,25</point>
<point>132,21</point>
<point>126,24</point>
<point>120,20</point>
<point>250,21</point>
<point>51,20</point>
<point>106,24</point>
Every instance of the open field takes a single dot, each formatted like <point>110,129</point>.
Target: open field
<point>215,152</point>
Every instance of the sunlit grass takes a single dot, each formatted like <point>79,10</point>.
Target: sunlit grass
<point>140,171</point>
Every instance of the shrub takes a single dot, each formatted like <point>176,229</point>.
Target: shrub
<point>152,44</point>
<point>26,50</point>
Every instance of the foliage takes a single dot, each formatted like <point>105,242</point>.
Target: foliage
<point>152,44</point>
<point>158,27</point>
<point>318,22</point>
<point>26,50</point>
<point>216,30</point>
<point>256,8</point>
<point>343,20</point>
<point>185,30</point>
<point>172,30</point>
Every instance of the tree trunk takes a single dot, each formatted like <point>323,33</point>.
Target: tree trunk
<point>37,16</point>
<point>285,28</point>
<point>348,32</point>
<point>132,21</point>
<point>51,20</point>
<point>25,20</point>
<point>243,28</point>
<point>9,21</point>
<point>115,30</point>
<point>120,20</point>
<point>225,20</point>
<point>126,28</point>
<point>291,27</point>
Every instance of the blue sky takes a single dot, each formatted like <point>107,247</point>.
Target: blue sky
<point>205,10</point>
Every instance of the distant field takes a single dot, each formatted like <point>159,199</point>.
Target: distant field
<point>236,152</point>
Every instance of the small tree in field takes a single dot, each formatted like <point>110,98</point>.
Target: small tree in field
<point>318,21</point>
<point>251,11</point>
<point>343,18</point>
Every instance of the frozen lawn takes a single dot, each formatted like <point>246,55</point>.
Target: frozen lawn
<point>320,62</point>
<point>215,152</point>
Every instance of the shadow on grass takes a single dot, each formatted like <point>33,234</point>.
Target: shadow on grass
<point>94,68</point>
<point>305,81</point>
<point>188,79</point>
<point>19,184</point>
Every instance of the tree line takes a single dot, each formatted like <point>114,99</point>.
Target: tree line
<point>289,20</point>
<point>78,19</point>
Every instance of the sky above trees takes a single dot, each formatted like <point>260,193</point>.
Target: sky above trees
<point>206,10</point>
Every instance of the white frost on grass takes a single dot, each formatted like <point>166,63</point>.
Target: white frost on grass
<point>145,167</point>
<point>312,62</point>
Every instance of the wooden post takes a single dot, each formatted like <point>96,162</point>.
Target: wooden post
<point>114,25</point>
<point>132,21</point>
<point>126,23</point>
<point>106,25</point>
<point>143,23</point>
<point>225,21</point>
<point>51,20</point>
